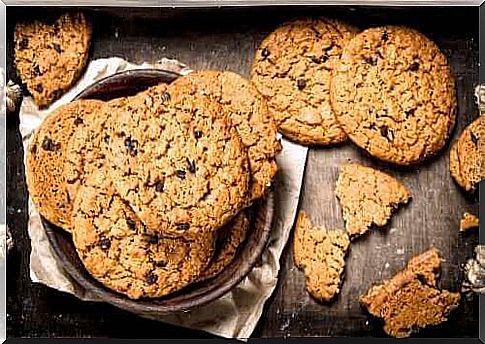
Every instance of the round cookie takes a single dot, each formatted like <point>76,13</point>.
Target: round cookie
<point>293,68</point>
<point>467,164</point>
<point>229,238</point>
<point>178,162</point>
<point>46,157</point>
<point>116,249</point>
<point>51,56</point>
<point>249,114</point>
<point>394,94</point>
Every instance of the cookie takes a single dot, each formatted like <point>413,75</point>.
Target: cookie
<point>467,164</point>
<point>249,114</point>
<point>292,68</point>
<point>176,159</point>
<point>378,195</point>
<point>118,251</point>
<point>229,239</point>
<point>321,254</point>
<point>51,56</point>
<point>468,221</point>
<point>46,156</point>
<point>410,300</point>
<point>393,93</point>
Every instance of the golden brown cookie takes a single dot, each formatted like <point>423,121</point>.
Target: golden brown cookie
<point>51,56</point>
<point>177,160</point>
<point>321,254</point>
<point>249,114</point>
<point>293,68</point>
<point>467,164</point>
<point>368,197</point>
<point>393,93</point>
<point>410,300</point>
<point>46,156</point>
<point>229,239</point>
<point>119,252</point>
<point>468,221</point>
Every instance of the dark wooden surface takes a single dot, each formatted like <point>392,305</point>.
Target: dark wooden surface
<point>226,39</point>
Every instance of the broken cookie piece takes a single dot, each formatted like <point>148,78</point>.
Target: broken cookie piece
<point>320,253</point>
<point>411,300</point>
<point>368,197</point>
<point>468,221</point>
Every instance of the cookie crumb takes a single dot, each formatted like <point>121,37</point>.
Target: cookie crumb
<point>468,221</point>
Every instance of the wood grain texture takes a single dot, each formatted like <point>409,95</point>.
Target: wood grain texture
<point>226,39</point>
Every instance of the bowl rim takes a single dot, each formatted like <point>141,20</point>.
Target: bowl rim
<point>264,208</point>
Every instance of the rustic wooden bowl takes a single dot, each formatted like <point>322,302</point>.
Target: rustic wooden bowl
<point>129,83</point>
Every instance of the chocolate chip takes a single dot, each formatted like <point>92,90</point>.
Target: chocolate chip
<point>105,244</point>
<point>106,139</point>
<point>316,32</point>
<point>78,121</point>
<point>165,96</point>
<point>183,226</point>
<point>39,88</point>
<point>49,145</point>
<point>181,174</point>
<point>410,112</point>
<point>421,278</point>
<point>33,149</point>
<point>301,83</point>
<point>372,60</point>
<point>385,132</point>
<point>56,94</point>
<point>414,67</point>
<point>265,53</point>
<point>161,263</point>
<point>36,71</point>
<point>23,43</point>
<point>474,138</point>
<point>131,224</point>
<point>153,239</point>
<point>159,186</point>
<point>385,36</point>
<point>151,278</point>
<point>57,48</point>
<point>316,60</point>
<point>131,145</point>
<point>197,134</point>
<point>191,165</point>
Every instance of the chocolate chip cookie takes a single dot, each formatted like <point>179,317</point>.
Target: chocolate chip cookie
<point>293,68</point>
<point>51,56</point>
<point>321,254</point>
<point>393,93</point>
<point>229,239</point>
<point>177,160</point>
<point>118,251</point>
<point>411,300</point>
<point>46,156</point>
<point>378,196</point>
<point>467,163</point>
<point>249,114</point>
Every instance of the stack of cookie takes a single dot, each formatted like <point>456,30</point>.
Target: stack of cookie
<point>155,187</point>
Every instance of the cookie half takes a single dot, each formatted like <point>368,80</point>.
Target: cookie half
<point>467,165</point>
<point>293,68</point>
<point>46,157</point>
<point>51,56</point>
<point>394,95</point>
<point>249,114</point>
<point>177,160</point>
<point>118,251</point>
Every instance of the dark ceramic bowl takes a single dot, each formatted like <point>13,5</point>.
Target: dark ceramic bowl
<point>129,83</point>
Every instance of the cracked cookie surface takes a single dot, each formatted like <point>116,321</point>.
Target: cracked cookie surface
<point>467,165</point>
<point>293,68</point>
<point>368,197</point>
<point>393,93</point>
<point>118,251</point>
<point>321,254</point>
<point>50,56</point>
<point>410,300</point>
<point>178,161</point>
<point>249,114</point>
<point>229,239</point>
<point>47,154</point>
